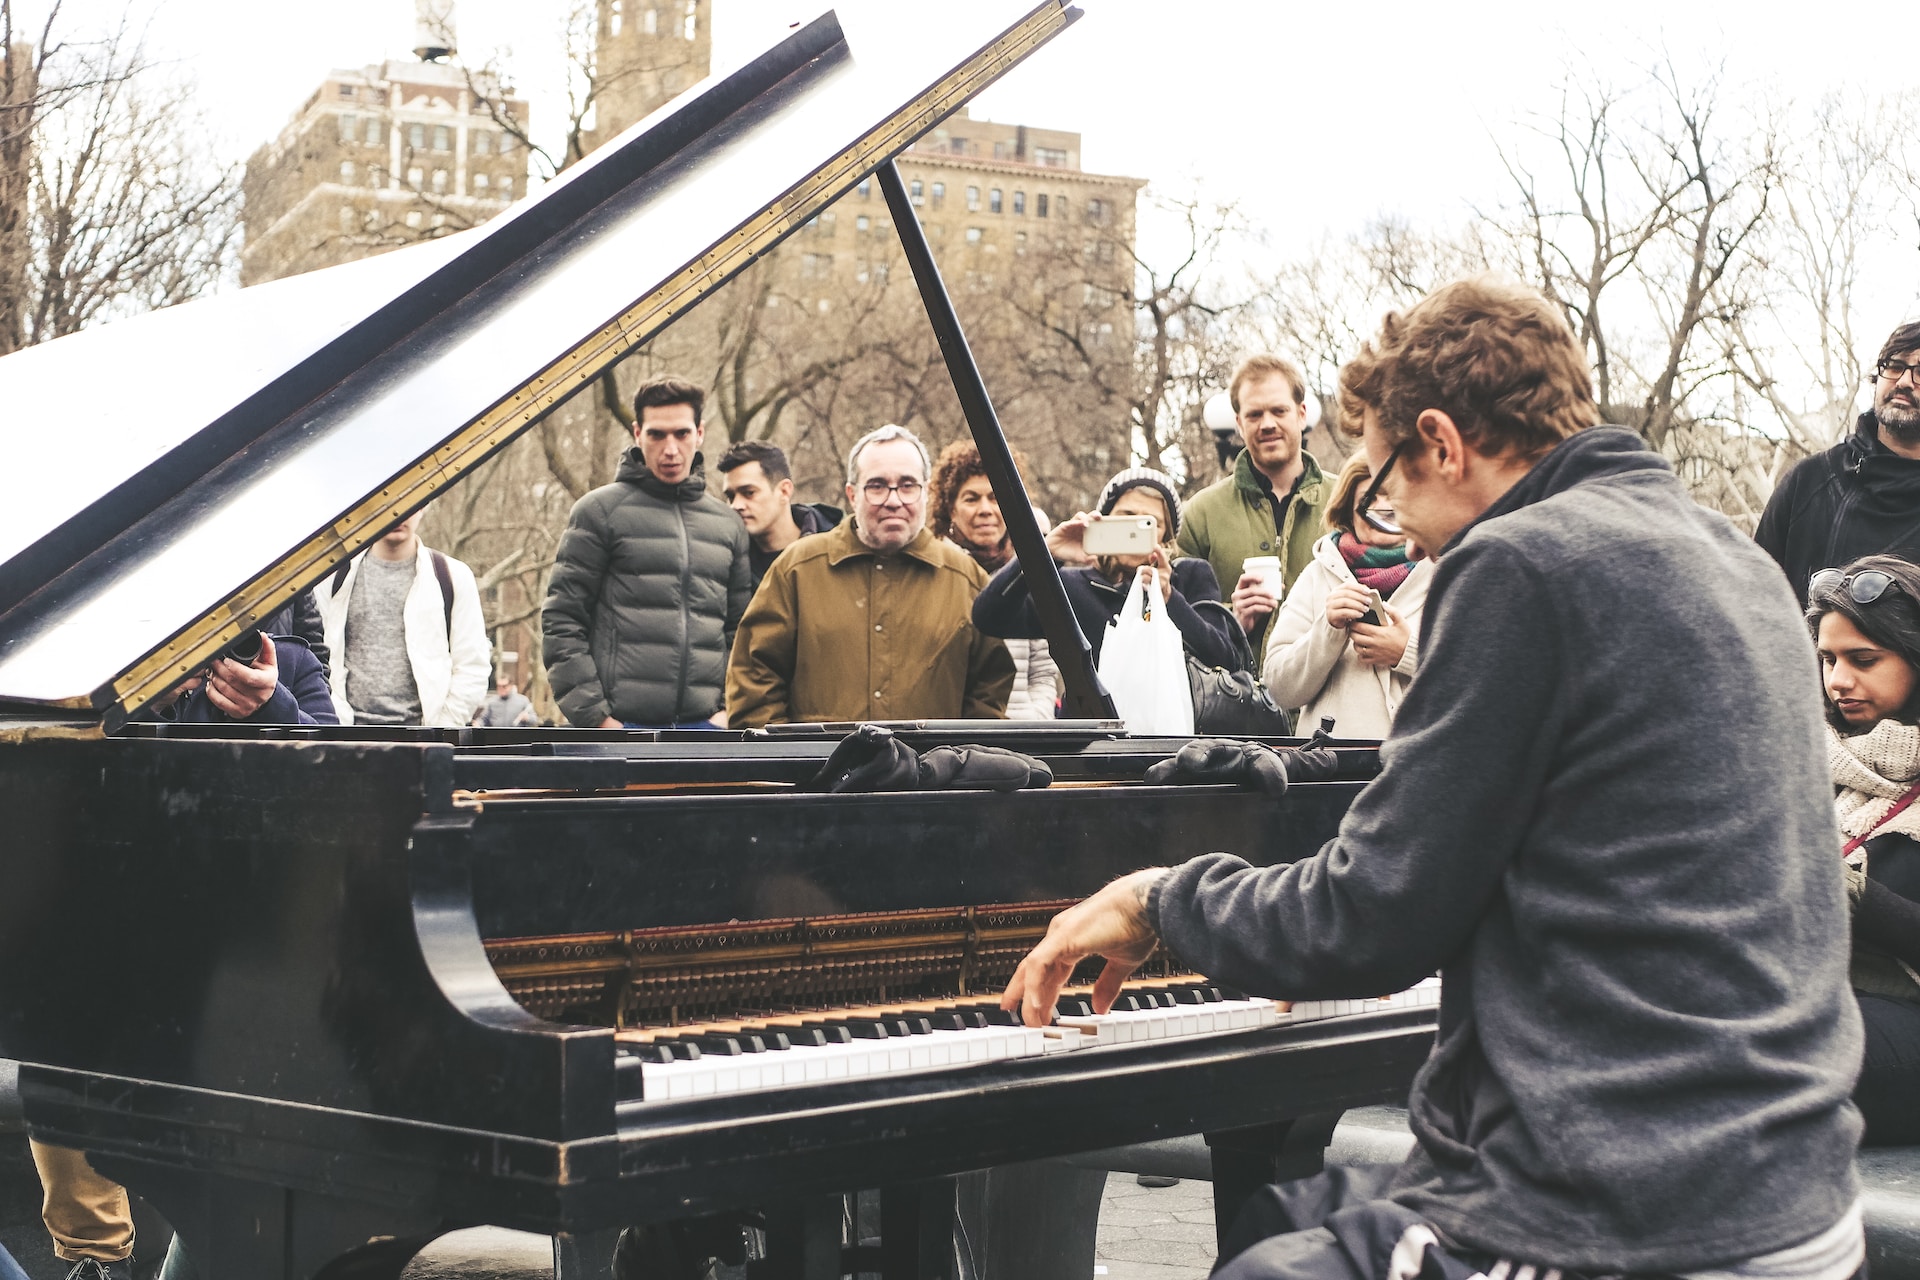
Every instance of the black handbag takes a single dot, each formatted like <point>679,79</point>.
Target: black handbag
<point>1233,701</point>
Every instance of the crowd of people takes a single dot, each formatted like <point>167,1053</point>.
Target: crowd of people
<point>1651,862</point>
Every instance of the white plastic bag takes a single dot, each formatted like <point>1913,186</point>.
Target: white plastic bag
<point>1144,665</point>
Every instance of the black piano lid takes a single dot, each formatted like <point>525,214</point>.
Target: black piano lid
<point>247,444</point>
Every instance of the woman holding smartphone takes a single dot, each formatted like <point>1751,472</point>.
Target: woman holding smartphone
<point>1329,651</point>
<point>1097,582</point>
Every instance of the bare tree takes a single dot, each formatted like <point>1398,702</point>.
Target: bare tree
<point>117,203</point>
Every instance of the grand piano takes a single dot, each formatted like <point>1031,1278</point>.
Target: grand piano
<point>320,995</point>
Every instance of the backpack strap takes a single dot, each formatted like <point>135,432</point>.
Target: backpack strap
<point>339,576</point>
<point>445,575</point>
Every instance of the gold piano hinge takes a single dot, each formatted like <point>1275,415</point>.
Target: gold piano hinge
<point>195,645</point>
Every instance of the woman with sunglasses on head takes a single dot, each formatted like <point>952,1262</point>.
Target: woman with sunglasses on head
<point>1866,624</point>
<point>1321,656</point>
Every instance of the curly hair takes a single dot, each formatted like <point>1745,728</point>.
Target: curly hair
<point>1491,354</point>
<point>959,462</point>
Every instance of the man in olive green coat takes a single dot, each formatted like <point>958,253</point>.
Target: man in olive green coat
<point>872,620</point>
<point>1273,504</point>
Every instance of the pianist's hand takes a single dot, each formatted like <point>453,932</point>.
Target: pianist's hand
<point>239,690</point>
<point>1112,924</point>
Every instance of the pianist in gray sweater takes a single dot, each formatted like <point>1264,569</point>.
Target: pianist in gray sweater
<point>1604,816</point>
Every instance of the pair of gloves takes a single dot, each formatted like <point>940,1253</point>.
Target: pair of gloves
<point>1251,765</point>
<point>871,758</point>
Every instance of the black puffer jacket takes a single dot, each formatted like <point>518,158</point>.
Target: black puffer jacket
<point>1859,498</point>
<point>648,585</point>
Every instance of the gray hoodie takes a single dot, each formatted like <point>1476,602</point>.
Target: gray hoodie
<point>1604,813</point>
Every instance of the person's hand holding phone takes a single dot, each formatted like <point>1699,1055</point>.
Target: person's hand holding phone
<point>1346,605</point>
<point>1382,646</point>
<point>1068,540</point>
<point>239,689</point>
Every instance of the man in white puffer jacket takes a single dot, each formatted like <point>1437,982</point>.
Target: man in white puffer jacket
<point>1320,659</point>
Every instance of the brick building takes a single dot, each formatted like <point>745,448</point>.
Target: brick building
<point>378,158</point>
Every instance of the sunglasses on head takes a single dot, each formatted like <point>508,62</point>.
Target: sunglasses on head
<point>1863,587</point>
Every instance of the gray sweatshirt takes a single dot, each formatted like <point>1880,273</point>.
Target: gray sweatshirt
<point>1604,813</point>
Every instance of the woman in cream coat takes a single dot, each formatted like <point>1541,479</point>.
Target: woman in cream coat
<point>1320,658</point>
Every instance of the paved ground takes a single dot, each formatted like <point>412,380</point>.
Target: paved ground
<point>1145,1234</point>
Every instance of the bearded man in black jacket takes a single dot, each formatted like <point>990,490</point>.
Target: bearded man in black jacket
<point>1862,496</point>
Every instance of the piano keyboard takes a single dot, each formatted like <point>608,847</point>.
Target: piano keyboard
<point>781,1051</point>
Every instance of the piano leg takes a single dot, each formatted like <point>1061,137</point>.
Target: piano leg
<point>586,1255</point>
<point>236,1230</point>
<point>916,1230</point>
<point>803,1241</point>
<point>1245,1160</point>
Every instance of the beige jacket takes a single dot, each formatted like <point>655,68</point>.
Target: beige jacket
<point>1310,665</point>
<point>836,632</point>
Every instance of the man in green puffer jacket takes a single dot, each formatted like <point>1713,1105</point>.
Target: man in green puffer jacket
<point>1274,502</point>
<point>649,582</point>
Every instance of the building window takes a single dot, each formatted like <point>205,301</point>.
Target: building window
<point>442,138</point>
<point>480,183</point>
<point>508,142</point>
<point>692,27</point>
<point>1002,150</point>
<point>939,194</point>
<point>416,176</point>
<point>349,128</point>
<point>993,201</point>
<point>973,199</point>
<point>958,146</point>
<point>615,19</point>
<point>506,188</point>
<point>376,131</point>
<point>1040,205</point>
<point>650,22</point>
<point>974,234</point>
<point>346,91</point>
<point>862,224</point>
<point>1097,212</point>
<point>481,142</point>
<point>439,219</point>
<point>417,136</point>
<point>1103,253</point>
<point>413,218</point>
<point>439,181</point>
<point>1020,243</point>
<point>816,265</point>
<point>1020,202</point>
<point>346,171</point>
<point>915,190</point>
<point>865,188</point>
<point>1050,157</point>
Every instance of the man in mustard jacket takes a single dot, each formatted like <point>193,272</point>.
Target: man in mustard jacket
<point>872,620</point>
<point>1272,504</point>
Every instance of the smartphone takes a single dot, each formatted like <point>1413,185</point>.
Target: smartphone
<point>1376,614</point>
<point>1123,536</point>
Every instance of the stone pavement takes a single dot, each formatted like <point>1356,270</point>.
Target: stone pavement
<point>1155,1233</point>
<point>1145,1234</point>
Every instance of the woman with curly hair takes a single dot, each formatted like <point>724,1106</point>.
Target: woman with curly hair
<point>962,509</point>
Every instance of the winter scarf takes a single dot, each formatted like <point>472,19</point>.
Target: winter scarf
<point>1382,568</point>
<point>1871,771</point>
<point>988,558</point>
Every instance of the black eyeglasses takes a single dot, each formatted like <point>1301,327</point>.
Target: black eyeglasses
<point>877,491</point>
<point>1383,521</point>
<point>1864,587</point>
<point>1893,371</point>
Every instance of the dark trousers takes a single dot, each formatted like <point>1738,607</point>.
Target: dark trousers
<point>1333,1226</point>
<point>1888,1094</point>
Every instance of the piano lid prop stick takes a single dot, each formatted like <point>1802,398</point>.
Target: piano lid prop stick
<point>1084,696</point>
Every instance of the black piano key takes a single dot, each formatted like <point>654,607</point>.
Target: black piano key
<point>864,1028</point>
<point>1073,1007</point>
<point>639,1053</point>
<point>916,1024</point>
<point>770,1038</point>
<point>998,1017</point>
<point>684,1050</point>
<point>969,1015</point>
<point>949,1022</point>
<point>720,1046</point>
<point>1187,995</point>
<point>830,1032</point>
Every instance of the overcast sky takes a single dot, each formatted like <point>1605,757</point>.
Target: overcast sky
<point>1313,117</point>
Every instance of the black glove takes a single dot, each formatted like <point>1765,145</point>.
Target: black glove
<point>981,769</point>
<point>1243,764</point>
<point>868,759</point>
<point>872,759</point>
<point>1888,921</point>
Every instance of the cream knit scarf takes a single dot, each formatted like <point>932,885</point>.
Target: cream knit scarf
<point>1871,771</point>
